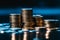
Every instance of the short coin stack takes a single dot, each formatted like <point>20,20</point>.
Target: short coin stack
<point>51,25</point>
<point>15,20</point>
<point>39,20</point>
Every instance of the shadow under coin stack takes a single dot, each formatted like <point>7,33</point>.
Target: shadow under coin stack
<point>39,26</point>
<point>15,21</point>
<point>51,29</point>
<point>27,18</point>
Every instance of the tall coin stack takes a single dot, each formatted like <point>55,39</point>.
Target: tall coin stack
<point>27,17</point>
<point>15,21</point>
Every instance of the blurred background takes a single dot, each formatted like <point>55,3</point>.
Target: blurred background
<point>48,8</point>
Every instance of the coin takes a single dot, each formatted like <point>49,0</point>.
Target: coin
<point>39,20</point>
<point>27,17</point>
<point>15,20</point>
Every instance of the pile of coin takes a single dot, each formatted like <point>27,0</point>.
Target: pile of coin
<point>27,18</point>
<point>15,20</point>
<point>51,23</point>
<point>39,20</point>
<point>30,22</point>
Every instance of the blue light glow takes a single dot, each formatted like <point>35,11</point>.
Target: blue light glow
<point>35,10</point>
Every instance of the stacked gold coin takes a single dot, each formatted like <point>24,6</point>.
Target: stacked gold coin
<point>15,20</point>
<point>39,26</point>
<point>27,17</point>
<point>39,20</point>
<point>52,23</point>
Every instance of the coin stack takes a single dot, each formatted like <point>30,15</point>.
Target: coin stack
<point>51,24</point>
<point>28,21</point>
<point>15,20</point>
<point>39,20</point>
<point>39,26</point>
<point>27,18</point>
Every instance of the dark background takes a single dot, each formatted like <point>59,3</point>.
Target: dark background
<point>29,3</point>
<point>48,8</point>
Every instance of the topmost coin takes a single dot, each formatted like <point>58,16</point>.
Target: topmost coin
<point>26,8</point>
